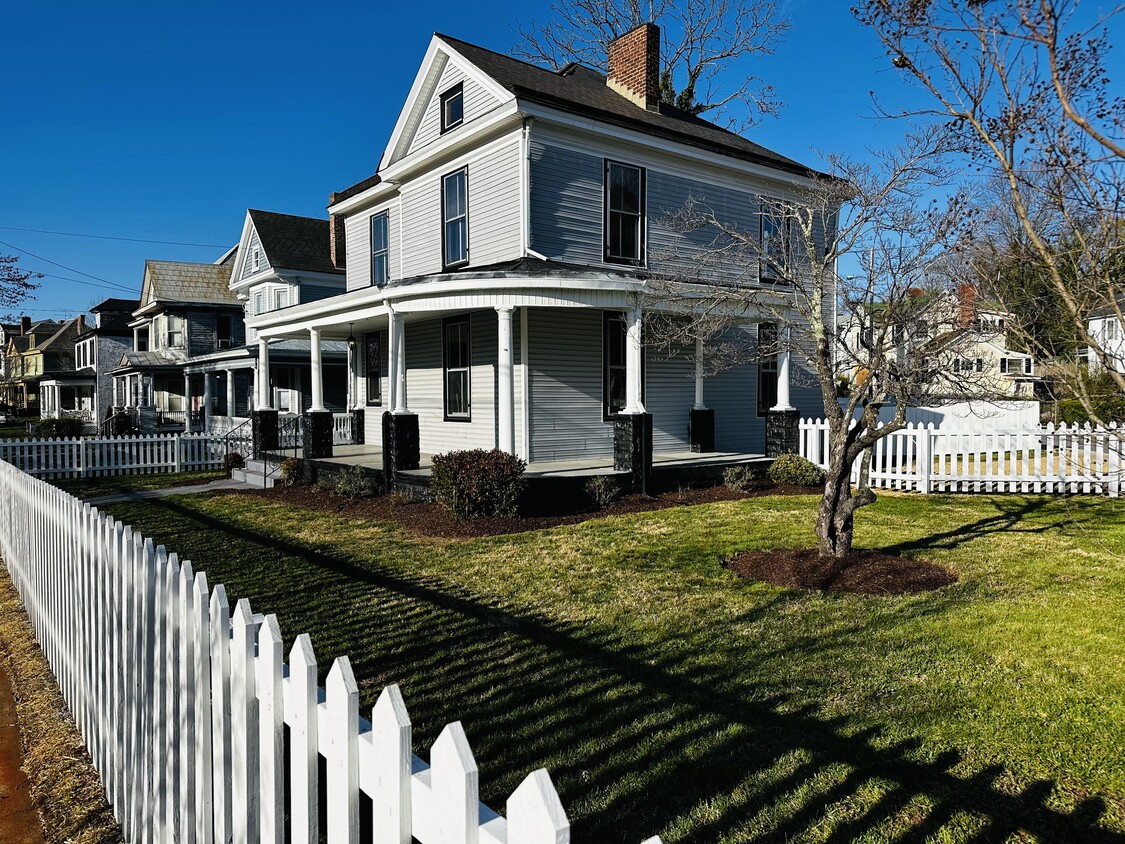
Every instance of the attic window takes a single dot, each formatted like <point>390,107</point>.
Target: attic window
<point>453,107</point>
<point>257,260</point>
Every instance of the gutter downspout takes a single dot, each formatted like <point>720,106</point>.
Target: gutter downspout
<point>525,186</point>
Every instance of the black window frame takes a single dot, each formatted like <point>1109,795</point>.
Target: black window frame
<point>380,255</point>
<point>445,221</point>
<point>220,319</point>
<point>374,338</point>
<point>641,215</point>
<point>767,368</point>
<point>766,273</point>
<point>610,319</point>
<point>449,95</point>
<point>446,323</point>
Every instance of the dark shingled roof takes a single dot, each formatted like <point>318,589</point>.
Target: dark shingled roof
<point>582,90</point>
<point>126,306</point>
<point>294,243</point>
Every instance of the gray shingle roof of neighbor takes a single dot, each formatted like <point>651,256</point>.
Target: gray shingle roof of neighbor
<point>181,281</point>
<point>134,358</point>
<point>294,243</point>
<point>583,90</point>
<point>125,306</point>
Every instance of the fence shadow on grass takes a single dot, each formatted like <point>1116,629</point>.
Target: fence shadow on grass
<point>637,741</point>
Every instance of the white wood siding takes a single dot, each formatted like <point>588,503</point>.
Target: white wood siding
<point>477,101</point>
<point>253,243</point>
<point>357,235</point>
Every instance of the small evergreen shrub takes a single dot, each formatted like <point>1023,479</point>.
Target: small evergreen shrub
<point>232,460</point>
<point>353,483</point>
<point>292,471</point>
<point>797,471</point>
<point>744,478</point>
<point>65,428</point>
<point>602,489</point>
<point>477,482</point>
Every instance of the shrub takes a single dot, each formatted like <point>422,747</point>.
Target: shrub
<point>65,428</point>
<point>353,483</point>
<point>796,470</point>
<point>232,460</point>
<point>602,489</point>
<point>1108,408</point>
<point>744,478</point>
<point>477,482</point>
<point>292,471</point>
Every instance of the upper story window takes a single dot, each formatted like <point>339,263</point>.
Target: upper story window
<point>1111,329</point>
<point>455,365</point>
<point>175,332</point>
<point>280,298</point>
<point>453,107</point>
<point>257,260</point>
<point>224,331</point>
<point>259,303</point>
<point>140,339</point>
<point>455,218</point>
<point>774,246</point>
<point>624,213</point>
<point>380,258</point>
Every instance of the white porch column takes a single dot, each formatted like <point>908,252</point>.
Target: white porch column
<point>207,401</point>
<point>783,378</point>
<point>230,391</point>
<point>392,361</point>
<point>187,403</point>
<point>505,421</point>
<point>699,405</point>
<point>633,356</point>
<point>397,342</point>
<point>317,370</point>
<point>262,376</point>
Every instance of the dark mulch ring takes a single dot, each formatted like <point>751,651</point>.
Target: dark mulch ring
<point>863,572</point>
<point>432,520</point>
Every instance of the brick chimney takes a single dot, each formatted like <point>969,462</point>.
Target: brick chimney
<point>25,325</point>
<point>337,244</point>
<point>966,304</point>
<point>634,66</point>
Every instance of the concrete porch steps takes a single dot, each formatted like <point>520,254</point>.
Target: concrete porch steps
<point>261,474</point>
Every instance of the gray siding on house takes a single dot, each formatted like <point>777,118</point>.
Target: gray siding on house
<point>565,385</point>
<point>669,396</point>
<point>566,204</point>
<point>253,243</point>
<point>201,333</point>
<point>476,102</point>
<point>733,395</point>
<point>109,352</point>
<point>310,292</point>
<point>424,385</point>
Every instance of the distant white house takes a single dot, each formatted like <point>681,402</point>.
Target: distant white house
<point>1105,328</point>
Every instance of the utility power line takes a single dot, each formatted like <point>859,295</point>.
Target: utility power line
<point>105,281</point>
<point>110,237</point>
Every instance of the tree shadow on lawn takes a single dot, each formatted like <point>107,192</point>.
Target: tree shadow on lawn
<point>637,741</point>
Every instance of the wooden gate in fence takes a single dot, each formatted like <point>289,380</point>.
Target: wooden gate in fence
<point>184,704</point>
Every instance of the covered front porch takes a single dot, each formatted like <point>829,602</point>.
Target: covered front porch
<point>73,398</point>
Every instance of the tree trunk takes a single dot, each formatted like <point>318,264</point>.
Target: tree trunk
<point>835,517</point>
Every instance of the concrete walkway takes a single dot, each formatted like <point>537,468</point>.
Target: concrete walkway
<point>143,494</point>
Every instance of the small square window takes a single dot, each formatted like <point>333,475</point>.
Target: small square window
<point>257,260</point>
<point>453,107</point>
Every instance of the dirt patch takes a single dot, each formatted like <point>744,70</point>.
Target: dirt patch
<point>19,822</point>
<point>432,520</point>
<point>864,572</point>
<point>64,786</point>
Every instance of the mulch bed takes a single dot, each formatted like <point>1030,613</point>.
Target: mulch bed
<point>432,520</point>
<point>863,572</point>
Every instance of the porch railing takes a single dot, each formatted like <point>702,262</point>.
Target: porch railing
<point>342,429</point>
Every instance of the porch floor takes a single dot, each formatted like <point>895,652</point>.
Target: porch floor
<point>372,457</point>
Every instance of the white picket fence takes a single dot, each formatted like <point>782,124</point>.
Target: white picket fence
<point>101,456</point>
<point>184,705</point>
<point>922,458</point>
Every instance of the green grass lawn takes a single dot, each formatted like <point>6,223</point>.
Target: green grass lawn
<point>13,430</point>
<point>91,487</point>
<point>667,696</point>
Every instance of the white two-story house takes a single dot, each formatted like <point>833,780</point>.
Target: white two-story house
<point>1105,327</point>
<point>496,263</point>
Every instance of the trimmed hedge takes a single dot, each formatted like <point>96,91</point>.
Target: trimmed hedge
<point>797,471</point>
<point>67,427</point>
<point>477,482</point>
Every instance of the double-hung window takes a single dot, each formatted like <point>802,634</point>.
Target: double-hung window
<point>624,213</point>
<point>280,298</point>
<point>613,363</point>
<point>453,107</point>
<point>380,259</point>
<point>259,303</point>
<point>455,366</point>
<point>774,247</point>
<point>373,369</point>
<point>224,331</point>
<point>175,332</point>
<point>767,366</point>
<point>455,218</point>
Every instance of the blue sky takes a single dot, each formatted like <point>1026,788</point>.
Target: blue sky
<point>166,121</point>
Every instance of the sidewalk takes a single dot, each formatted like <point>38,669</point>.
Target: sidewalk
<point>189,489</point>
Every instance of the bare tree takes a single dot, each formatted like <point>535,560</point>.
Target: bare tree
<point>1022,87</point>
<point>902,338</point>
<point>701,39</point>
<point>16,285</point>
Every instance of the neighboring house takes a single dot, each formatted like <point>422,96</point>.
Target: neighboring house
<point>1105,328</point>
<point>281,261</point>
<point>186,310</point>
<point>966,341</point>
<point>21,389</point>
<point>497,261</point>
<point>7,385</point>
<point>98,348</point>
<point>49,378</point>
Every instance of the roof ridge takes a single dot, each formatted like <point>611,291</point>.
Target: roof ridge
<point>512,58</point>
